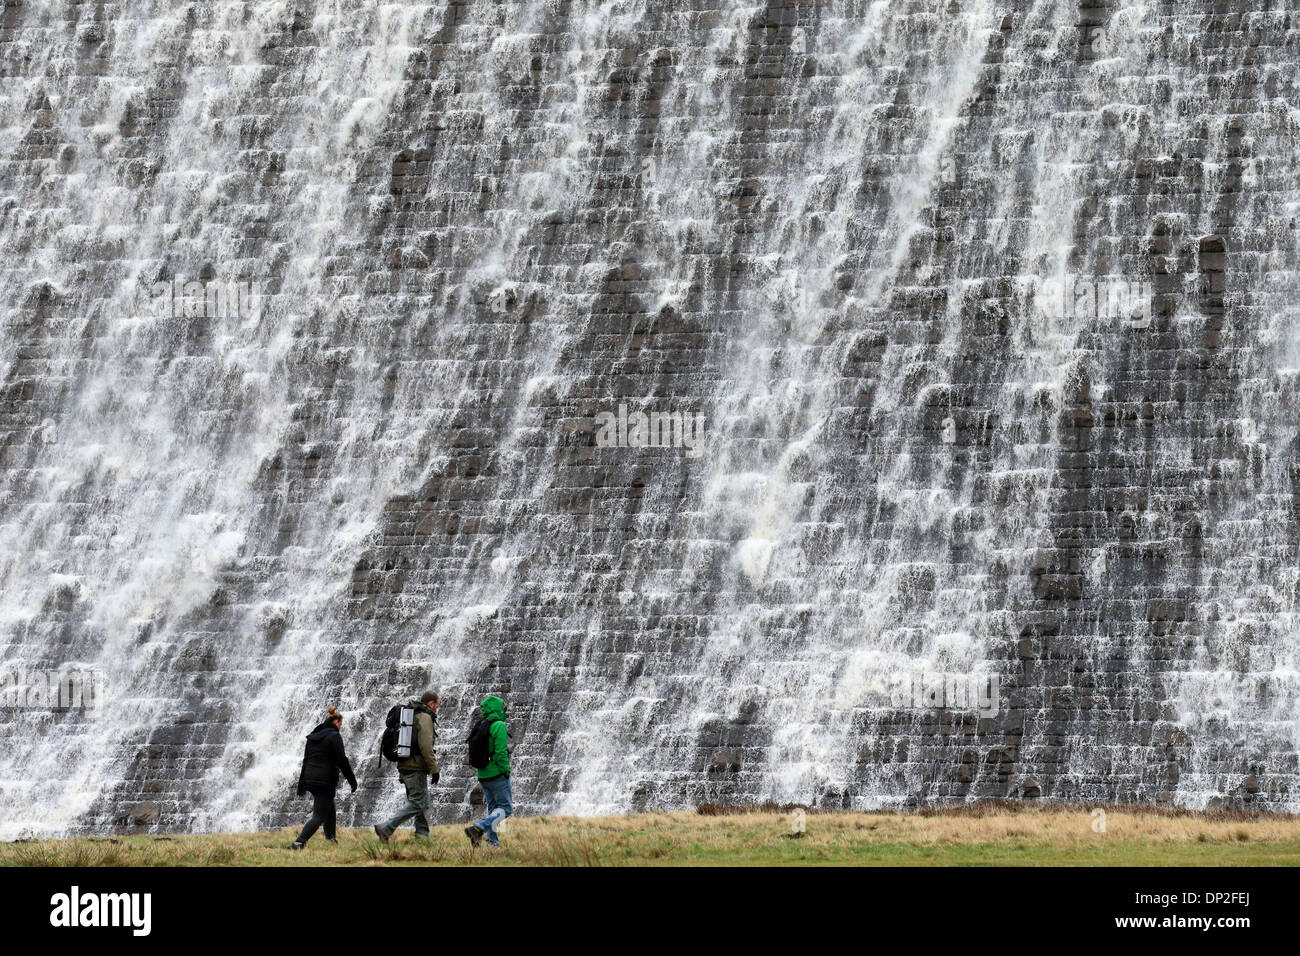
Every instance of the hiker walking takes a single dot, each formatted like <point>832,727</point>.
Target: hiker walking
<point>322,760</point>
<point>415,770</point>
<point>489,753</point>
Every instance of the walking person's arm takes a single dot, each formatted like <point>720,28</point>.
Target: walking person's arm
<point>425,736</point>
<point>500,747</point>
<point>341,758</point>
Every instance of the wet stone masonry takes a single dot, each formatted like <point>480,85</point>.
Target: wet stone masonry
<point>542,214</point>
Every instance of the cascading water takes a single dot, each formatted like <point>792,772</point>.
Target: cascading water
<point>874,248</point>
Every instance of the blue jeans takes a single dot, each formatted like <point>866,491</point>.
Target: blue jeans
<point>497,794</point>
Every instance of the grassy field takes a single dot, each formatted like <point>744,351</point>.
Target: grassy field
<point>980,835</point>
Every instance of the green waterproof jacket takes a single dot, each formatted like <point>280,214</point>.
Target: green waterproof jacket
<point>494,709</point>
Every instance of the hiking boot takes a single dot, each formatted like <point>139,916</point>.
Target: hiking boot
<point>475,835</point>
<point>383,837</point>
<point>333,840</point>
<point>295,845</point>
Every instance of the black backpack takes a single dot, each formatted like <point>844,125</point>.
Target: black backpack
<point>480,743</point>
<point>398,738</point>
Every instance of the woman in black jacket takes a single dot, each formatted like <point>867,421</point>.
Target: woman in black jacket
<point>321,763</point>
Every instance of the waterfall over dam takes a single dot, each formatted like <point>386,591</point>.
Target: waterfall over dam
<point>728,386</point>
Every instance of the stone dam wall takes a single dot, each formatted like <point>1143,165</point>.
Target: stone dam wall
<point>987,313</point>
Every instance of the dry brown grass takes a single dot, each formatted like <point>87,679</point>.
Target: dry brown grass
<point>1005,834</point>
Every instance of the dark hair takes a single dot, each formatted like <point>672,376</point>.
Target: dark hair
<point>333,715</point>
<point>429,697</point>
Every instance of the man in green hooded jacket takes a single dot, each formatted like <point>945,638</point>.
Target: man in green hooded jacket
<point>494,778</point>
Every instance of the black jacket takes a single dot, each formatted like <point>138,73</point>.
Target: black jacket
<point>323,759</point>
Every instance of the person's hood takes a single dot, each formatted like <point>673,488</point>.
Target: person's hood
<point>321,732</point>
<point>421,707</point>
<point>493,708</point>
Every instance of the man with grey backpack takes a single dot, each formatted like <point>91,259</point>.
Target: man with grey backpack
<point>410,745</point>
